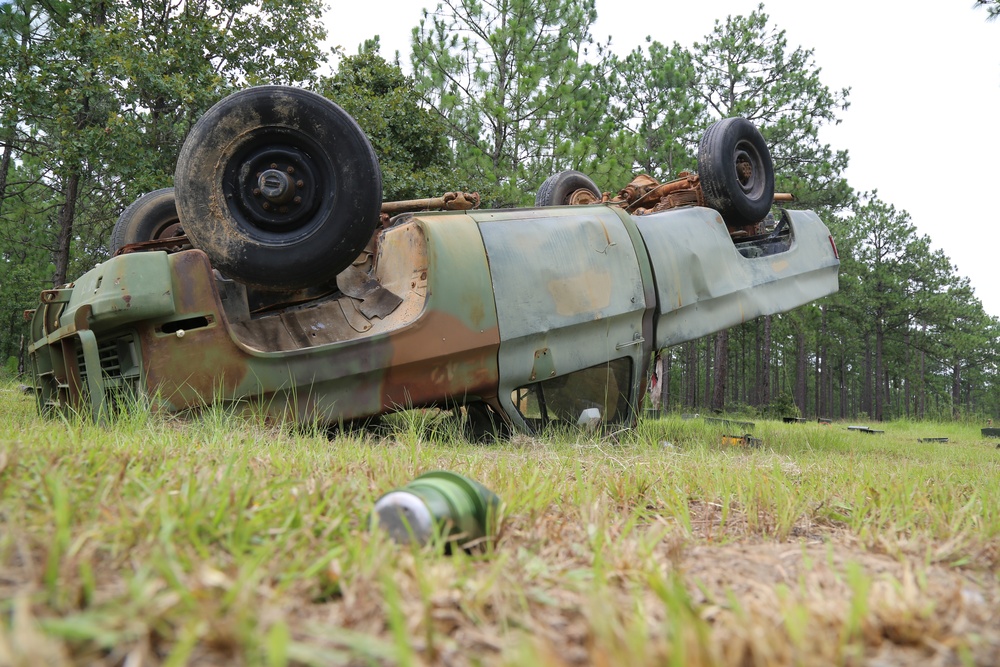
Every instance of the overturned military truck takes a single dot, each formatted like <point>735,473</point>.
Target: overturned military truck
<point>273,274</point>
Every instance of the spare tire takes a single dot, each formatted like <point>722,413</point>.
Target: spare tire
<point>150,217</point>
<point>558,189</point>
<point>737,175</point>
<point>279,186</point>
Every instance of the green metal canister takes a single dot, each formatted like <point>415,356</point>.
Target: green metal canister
<point>461,508</point>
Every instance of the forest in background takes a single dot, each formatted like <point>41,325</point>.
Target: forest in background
<point>97,97</point>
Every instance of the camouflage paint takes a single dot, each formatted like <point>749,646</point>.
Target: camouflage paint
<point>492,300</point>
<point>191,354</point>
<point>704,285</point>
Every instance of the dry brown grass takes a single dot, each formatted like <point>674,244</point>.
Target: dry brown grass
<point>228,542</point>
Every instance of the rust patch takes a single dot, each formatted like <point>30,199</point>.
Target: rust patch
<point>449,201</point>
<point>190,368</point>
<point>441,359</point>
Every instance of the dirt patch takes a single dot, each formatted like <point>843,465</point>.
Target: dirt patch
<point>899,611</point>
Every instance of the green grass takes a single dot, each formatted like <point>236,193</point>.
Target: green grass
<point>223,539</point>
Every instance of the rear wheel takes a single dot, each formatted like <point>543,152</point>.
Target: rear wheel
<point>569,187</point>
<point>736,172</point>
<point>279,186</point>
<point>150,217</point>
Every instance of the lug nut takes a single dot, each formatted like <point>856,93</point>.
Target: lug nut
<point>256,192</point>
<point>297,200</point>
<point>291,170</point>
<point>266,206</point>
<point>300,183</point>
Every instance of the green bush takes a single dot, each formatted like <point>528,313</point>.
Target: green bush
<point>780,406</point>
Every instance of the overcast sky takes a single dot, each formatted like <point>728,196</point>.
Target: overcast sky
<point>923,124</point>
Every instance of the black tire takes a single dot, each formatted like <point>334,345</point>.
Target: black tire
<point>557,188</point>
<point>737,175</point>
<point>150,217</point>
<point>279,186</point>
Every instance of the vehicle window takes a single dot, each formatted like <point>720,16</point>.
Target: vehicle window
<point>563,399</point>
<point>775,238</point>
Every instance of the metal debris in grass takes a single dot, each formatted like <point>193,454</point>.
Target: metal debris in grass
<point>864,429</point>
<point>746,440</point>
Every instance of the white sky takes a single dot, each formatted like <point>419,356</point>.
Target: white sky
<point>923,127</point>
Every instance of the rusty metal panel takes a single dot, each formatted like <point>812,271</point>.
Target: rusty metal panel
<point>569,292</point>
<point>704,285</point>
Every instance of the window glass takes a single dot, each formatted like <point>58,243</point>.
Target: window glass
<point>563,399</point>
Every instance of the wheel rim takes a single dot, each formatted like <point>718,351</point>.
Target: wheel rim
<point>749,169</point>
<point>273,184</point>
<point>581,196</point>
<point>167,229</point>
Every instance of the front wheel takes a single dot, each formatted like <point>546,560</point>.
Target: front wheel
<point>736,172</point>
<point>279,186</point>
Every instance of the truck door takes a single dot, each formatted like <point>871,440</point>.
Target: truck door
<point>570,302</point>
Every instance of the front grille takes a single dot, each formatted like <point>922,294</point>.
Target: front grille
<point>119,360</point>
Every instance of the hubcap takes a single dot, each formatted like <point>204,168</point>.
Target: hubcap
<point>749,169</point>
<point>274,188</point>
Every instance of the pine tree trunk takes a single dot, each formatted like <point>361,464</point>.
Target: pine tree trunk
<point>8,151</point>
<point>764,370</point>
<point>67,212</point>
<point>20,359</point>
<point>691,371</point>
<point>721,370</point>
<point>800,370</point>
<point>823,376</point>
<point>843,388</point>
<point>738,378</point>
<point>866,379</point>
<point>709,340</point>
<point>907,374</point>
<point>922,389</point>
<point>665,397</point>
<point>887,393</point>
<point>775,381</point>
<point>879,385</point>
<point>744,375</point>
<point>10,133</point>
<point>818,378</point>
<point>956,390</point>
<point>758,385</point>
<point>8,346</point>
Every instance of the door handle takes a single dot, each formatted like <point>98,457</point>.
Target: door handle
<point>637,339</point>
